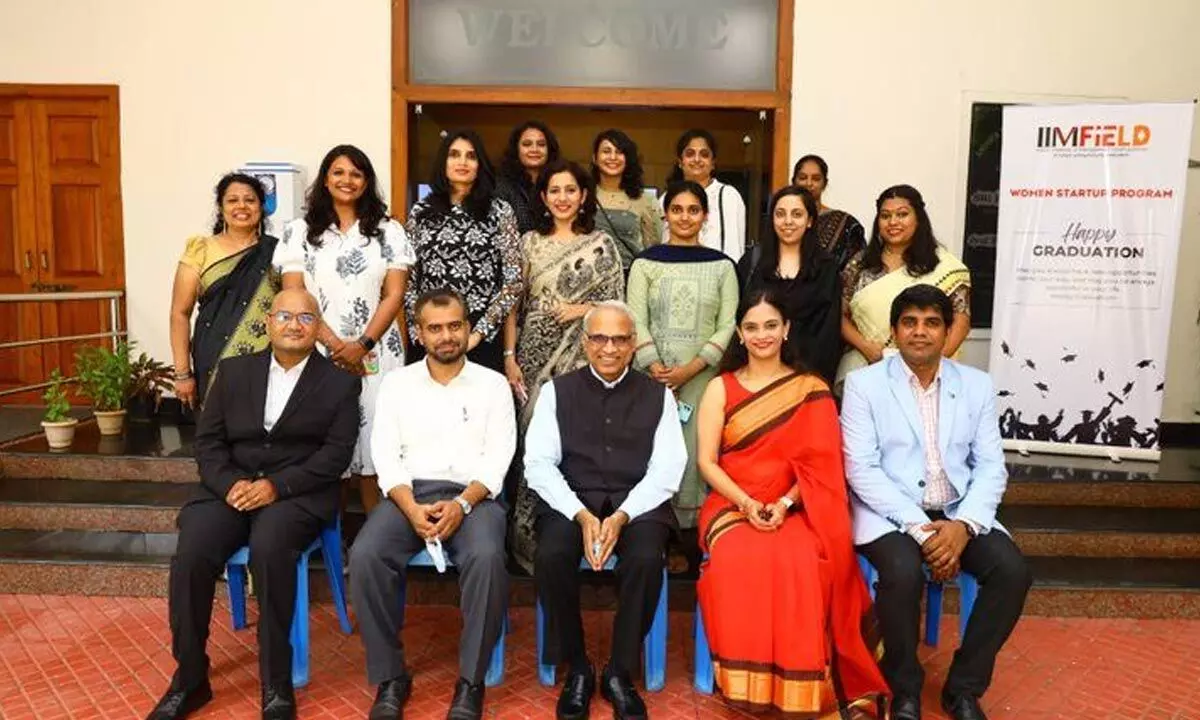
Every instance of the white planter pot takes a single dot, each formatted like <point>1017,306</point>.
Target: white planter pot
<point>60,434</point>
<point>110,422</point>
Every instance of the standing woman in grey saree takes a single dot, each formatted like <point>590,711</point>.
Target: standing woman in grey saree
<point>229,276</point>
<point>568,265</point>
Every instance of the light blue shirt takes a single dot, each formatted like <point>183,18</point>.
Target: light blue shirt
<point>543,454</point>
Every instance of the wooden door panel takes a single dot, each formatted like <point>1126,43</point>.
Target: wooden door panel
<point>75,219</point>
<point>67,318</point>
<point>18,251</point>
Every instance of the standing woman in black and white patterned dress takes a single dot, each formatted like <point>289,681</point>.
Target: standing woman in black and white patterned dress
<point>354,259</point>
<point>466,239</point>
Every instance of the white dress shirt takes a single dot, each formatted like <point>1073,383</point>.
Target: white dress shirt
<point>938,490</point>
<point>463,431</point>
<point>543,453</point>
<point>280,384</point>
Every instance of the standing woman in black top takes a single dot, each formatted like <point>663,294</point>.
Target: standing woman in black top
<point>531,146</point>
<point>465,238</point>
<point>794,266</point>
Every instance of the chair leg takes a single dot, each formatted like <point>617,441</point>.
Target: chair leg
<point>968,591</point>
<point>655,644</point>
<point>300,633</point>
<point>546,672</point>
<point>702,658</point>
<point>933,612</point>
<point>236,582</point>
<point>495,671</point>
<point>331,554</point>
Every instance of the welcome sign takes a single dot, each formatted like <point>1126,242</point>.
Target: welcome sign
<point>682,44</point>
<point>1091,208</point>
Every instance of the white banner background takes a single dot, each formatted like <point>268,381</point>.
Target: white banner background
<point>1091,205</point>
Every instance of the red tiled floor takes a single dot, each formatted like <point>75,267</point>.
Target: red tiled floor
<point>98,657</point>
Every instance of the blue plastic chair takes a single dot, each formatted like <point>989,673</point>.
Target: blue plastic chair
<point>968,589</point>
<point>702,680</point>
<point>329,542</point>
<point>654,647</point>
<point>495,671</point>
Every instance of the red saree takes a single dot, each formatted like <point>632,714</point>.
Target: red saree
<point>787,612</point>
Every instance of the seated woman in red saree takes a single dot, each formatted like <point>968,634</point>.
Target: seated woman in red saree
<point>785,607</point>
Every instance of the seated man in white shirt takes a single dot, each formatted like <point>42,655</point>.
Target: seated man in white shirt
<point>605,453</point>
<point>444,434</point>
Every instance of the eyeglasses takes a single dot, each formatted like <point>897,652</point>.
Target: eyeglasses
<point>620,342</point>
<point>283,317</point>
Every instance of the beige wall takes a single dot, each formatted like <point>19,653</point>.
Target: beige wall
<point>882,91</point>
<point>884,96</point>
<point>205,87</point>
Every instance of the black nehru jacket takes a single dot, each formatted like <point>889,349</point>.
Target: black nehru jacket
<point>607,438</point>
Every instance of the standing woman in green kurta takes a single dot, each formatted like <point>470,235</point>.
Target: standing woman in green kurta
<point>684,297</point>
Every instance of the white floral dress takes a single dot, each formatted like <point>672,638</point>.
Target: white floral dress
<point>346,274</point>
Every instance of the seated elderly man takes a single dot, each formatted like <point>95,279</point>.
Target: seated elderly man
<point>605,453</point>
<point>277,431</point>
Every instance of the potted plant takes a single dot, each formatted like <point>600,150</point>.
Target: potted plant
<point>148,380</point>
<point>104,378</point>
<point>58,424</point>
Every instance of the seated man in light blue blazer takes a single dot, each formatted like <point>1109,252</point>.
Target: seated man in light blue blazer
<point>924,462</point>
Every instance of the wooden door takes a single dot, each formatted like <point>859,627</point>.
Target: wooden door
<point>76,177</point>
<point>18,252</point>
<point>62,179</point>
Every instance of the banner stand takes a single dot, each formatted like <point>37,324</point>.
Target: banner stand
<point>1112,454</point>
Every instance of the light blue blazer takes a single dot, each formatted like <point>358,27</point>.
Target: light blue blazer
<point>884,445</point>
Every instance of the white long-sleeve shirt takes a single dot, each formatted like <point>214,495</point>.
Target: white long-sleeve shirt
<point>544,453</point>
<point>462,431</point>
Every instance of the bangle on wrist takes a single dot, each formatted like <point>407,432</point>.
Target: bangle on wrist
<point>510,353</point>
<point>184,375</point>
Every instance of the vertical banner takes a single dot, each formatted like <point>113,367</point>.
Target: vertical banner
<point>1091,206</point>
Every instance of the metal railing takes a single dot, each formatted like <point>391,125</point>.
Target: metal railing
<point>114,317</point>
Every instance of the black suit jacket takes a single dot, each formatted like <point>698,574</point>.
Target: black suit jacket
<point>307,450</point>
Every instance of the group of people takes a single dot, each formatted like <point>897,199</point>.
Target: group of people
<point>619,374</point>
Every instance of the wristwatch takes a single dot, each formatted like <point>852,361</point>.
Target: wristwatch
<point>367,341</point>
<point>787,502</point>
<point>462,503</point>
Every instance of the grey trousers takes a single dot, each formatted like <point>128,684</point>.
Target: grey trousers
<point>378,571</point>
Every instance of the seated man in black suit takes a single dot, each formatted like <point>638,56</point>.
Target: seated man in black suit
<point>277,431</point>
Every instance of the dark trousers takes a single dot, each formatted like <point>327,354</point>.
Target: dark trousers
<point>641,556</point>
<point>379,568</point>
<point>209,532</point>
<point>1004,580</point>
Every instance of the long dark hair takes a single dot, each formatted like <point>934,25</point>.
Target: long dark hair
<point>370,208</point>
<point>478,202</point>
<point>241,179</point>
<point>585,220</point>
<point>632,178</point>
<point>737,357</point>
<point>811,253</point>
<point>511,168</point>
<point>681,145</point>
<point>921,255</point>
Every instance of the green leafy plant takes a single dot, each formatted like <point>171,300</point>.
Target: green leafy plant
<point>57,405</point>
<point>104,375</point>
<point>149,379</point>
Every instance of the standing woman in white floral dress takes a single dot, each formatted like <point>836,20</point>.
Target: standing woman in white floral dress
<point>348,253</point>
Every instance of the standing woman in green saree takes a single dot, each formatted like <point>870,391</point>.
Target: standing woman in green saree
<point>227,277</point>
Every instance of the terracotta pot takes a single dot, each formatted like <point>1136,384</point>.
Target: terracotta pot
<point>110,422</point>
<point>60,434</point>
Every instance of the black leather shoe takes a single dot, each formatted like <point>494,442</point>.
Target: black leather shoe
<point>963,707</point>
<point>278,703</point>
<point>575,702</point>
<point>906,707</point>
<point>178,704</point>
<point>390,698</point>
<point>468,701</point>
<point>619,690</point>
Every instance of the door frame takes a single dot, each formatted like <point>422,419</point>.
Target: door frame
<point>406,94</point>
